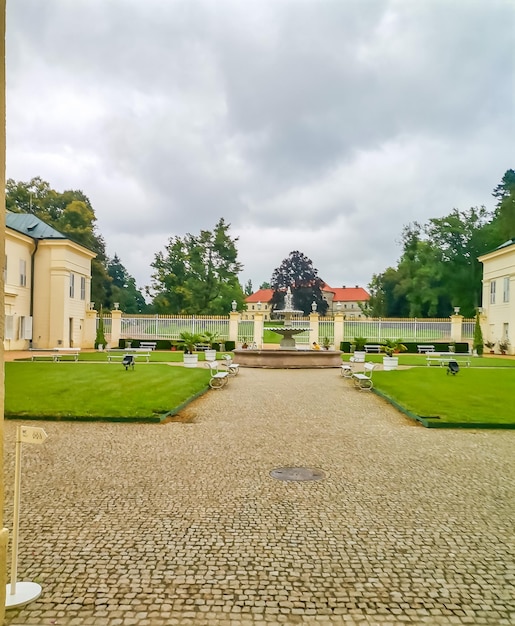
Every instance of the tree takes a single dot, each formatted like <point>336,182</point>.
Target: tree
<point>478,336</point>
<point>298,273</point>
<point>248,290</point>
<point>197,274</point>
<point>505,210</point>
<point>265,285</point>
<point>122,288</point>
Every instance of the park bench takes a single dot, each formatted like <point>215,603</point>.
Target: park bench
<point>54,354</point>
<point>232,368</point>
<point>201,347</point>
<point>147,345</point>
<point>218,379</point>
<point>347,370</point>
<point>423,349</point>
<point>115,355</point>
<point>363,380</point>
<point>444,358</point>
<point>372,348</point>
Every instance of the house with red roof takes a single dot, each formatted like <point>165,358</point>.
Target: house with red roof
<point>346,300</point>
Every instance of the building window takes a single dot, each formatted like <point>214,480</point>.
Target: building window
<point>492,292</point>
<point>506,290</point>
<point>506,331</point>
<point>23,273</point>
<point>25,327</point>
<point>72,285</point>
<point>82,287</point>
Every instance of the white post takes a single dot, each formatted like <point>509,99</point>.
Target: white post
<point>21,593</point>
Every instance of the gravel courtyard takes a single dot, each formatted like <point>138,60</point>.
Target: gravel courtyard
<point>182,523</point>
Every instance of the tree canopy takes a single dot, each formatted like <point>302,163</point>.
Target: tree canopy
<point>197,274</point>
<point>298,273</point>
<point>439,268</point>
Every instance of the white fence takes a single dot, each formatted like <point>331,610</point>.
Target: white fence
<point>156,327</point>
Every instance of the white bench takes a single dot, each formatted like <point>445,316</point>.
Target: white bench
<point>363,380</point>
<point>147,345</point>
<point>372,348</point>
<point>443,358</point>
<point>423,349</point>
<point>218,379</point>
<point>114,355</point>
<point>346,370</point>
<point>55,354</point>
<point>232,368</point>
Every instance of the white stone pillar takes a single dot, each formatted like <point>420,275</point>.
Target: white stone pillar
<point>456,327</point>
<point>338,330</point>
<point>234,319</point>
<point>313,324</point>
<point>258,330</point>
<point>116,327</point>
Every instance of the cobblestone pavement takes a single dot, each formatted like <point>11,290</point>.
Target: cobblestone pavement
<point>181,523</point>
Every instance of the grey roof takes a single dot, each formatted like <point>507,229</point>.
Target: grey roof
<point>32,226</point>
<point>506,244</point>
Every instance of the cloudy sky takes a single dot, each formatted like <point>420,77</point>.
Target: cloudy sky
<point>315,125</point>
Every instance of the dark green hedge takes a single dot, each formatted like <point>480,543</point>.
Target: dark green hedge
<point>440,346</point>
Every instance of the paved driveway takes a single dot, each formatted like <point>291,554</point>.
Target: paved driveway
<point>182,523</point>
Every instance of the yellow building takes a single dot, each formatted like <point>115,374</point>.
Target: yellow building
<point>499,295</point>
<point>47,281</point>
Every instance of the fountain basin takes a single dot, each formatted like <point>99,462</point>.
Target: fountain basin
<point>288,359</point>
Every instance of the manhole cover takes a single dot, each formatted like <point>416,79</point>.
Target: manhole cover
<point>297,473</point>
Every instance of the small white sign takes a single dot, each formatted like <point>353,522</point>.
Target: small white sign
<point>32,434</point>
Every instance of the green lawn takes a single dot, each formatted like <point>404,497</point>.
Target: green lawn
<point>473,396</point>
<point>75,390</point>
<point>420,359</point>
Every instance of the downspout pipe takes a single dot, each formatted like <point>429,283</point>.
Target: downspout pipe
<point>32,265</point>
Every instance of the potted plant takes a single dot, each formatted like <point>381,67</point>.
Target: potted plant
<point>390,348</point>
<point>326,343</point>
<point>210,338</point>
<point>490,345</point>
<point>190,341</point>
<point>244,345</point>
<point>359,349</point>
<point>504,344</point>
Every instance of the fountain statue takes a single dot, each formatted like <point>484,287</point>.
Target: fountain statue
<point>288,356</point>
<point>288,331</point>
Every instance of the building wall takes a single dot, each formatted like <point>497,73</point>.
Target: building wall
<point>17,295</point>
<point>53,318</point>
<point>59,312</point>
<point>499,306</point>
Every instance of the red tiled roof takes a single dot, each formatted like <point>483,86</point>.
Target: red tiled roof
<point>261,295</point>
<point>349,294</point>
<point>341,294</point>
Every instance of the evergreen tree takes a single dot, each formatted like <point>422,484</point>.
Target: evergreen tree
<point>197,274</point>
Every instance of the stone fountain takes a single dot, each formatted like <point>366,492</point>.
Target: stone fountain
<point>288,331</point>
<point>288,356</point>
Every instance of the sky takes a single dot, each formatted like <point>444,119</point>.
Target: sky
<point>323,126</point>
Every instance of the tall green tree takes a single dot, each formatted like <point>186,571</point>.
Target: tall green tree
<point>122,288</point>
<point>298,273</point>
<point>197,274</point>
<point>505,210</point>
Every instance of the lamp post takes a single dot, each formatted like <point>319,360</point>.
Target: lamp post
<point>314,306</point>
<point>234,304</point>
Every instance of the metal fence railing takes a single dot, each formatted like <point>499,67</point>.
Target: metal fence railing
<point>373,329</point>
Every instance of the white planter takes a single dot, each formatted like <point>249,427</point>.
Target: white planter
<point>190,360</point>
<point>359,356</point>
<point>390,363</point>
<point>210,355</point>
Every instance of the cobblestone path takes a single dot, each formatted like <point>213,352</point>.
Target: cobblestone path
<point>181,523</point>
